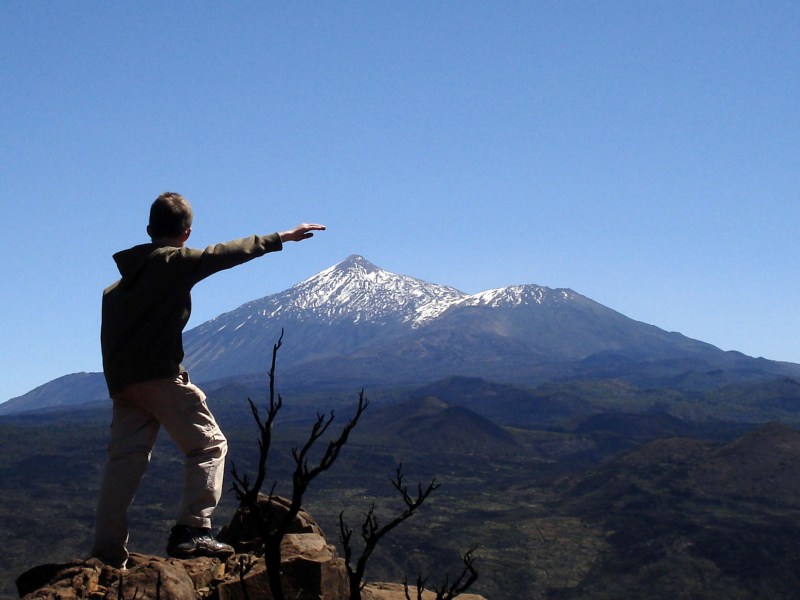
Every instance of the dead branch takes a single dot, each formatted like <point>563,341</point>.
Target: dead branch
<point>372,531</point>
<point>466,578</point>
<point>246,493</point>
<point>303,475</point>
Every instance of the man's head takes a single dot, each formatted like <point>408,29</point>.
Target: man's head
<point>170,218</point>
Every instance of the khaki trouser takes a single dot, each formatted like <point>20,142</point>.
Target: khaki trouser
<point>139,411</point>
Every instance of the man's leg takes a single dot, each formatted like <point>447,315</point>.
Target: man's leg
<point>133,433</point>
<point>181,408</point>
<point>194,429</point>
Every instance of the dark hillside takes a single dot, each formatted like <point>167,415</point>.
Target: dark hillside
<point>429,426</point>
<point>508,404</point>
<point>681,514</point>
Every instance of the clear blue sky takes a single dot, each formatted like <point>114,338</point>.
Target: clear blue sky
<point>645,154</point>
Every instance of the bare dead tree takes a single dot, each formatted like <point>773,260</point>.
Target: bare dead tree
<point>303,474</point>
<point>301,478</point>
<point>468,576</point>
<point>372,531</point>
<point>246,493</point>
<point>448,591</point>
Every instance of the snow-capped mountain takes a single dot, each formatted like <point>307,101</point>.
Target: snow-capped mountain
<point>359,320</point>
<point>337,310</point>
<point>355,324</point>
<point>356,290</point>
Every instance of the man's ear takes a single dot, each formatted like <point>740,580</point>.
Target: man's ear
<point>149,231</point>
<point>186,234</point>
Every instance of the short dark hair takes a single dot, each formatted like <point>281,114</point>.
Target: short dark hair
<point>170,215</point>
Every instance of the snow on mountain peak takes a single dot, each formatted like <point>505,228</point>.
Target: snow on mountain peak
<point>356,288</point>
<point>516,295</point>
<point>357,291</point>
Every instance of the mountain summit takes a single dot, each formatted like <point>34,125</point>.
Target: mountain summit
<point>342,308</point>
<point>357,290</point>
<point>357,322</point>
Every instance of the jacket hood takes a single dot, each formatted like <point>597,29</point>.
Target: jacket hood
<point>130,261</point>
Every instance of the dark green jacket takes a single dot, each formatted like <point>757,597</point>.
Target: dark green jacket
<point>144,313</point>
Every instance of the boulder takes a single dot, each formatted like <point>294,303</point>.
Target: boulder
<point>147,578</point>
<point>155,578</point>
<point>74,579</point>
<point>242,532</point>
<point>310,568</point>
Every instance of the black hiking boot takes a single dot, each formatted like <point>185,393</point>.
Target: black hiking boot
<point>189,542</point>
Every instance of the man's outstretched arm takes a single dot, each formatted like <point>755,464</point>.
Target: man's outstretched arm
<point>203,263</point>
<point>301,232</point>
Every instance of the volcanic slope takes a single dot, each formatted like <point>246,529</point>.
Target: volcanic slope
<point>358,324</point>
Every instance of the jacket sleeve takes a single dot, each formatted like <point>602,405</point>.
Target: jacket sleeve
<point>199,264</point>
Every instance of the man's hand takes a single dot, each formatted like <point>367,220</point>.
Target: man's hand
<point>301,232</point>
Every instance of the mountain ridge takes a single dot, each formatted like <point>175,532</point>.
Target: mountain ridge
<point>356,318</point>
<point>355,324</point>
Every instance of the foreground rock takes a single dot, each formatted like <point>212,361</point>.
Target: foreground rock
<point>311,570</point>
<point>242,531</point>
<point>148,578</point>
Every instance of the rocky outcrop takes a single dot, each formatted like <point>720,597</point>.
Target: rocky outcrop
<point>148,578</point>
<point>310,567</point>
<point>311,570</point>
<point>242,531</point>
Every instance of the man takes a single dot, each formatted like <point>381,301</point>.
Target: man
<point>144,314</point>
